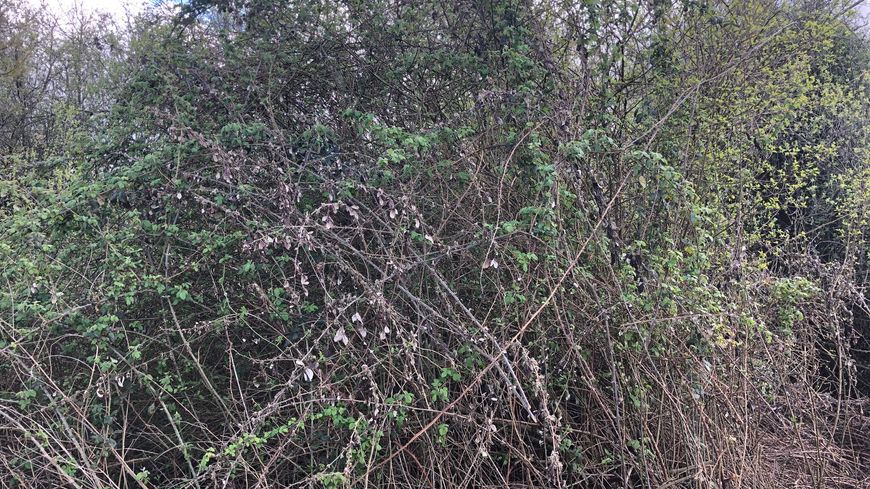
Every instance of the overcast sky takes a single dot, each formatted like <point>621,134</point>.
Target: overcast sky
<point>115,7</point>
<point>119,7</point>
<point>864,8</point>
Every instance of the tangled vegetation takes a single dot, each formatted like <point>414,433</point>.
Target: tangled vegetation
<point>437,244</point>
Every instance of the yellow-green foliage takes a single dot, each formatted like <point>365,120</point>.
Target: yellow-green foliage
<point>378,243</point>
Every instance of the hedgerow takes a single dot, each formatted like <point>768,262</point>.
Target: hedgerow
<point>449,244</point>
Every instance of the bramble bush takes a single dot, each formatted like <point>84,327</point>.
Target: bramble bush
<point>375,243</point>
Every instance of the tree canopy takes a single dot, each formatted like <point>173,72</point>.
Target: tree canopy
<point>475,243</point>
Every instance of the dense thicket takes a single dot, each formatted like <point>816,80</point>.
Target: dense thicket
<point>379,243</point>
